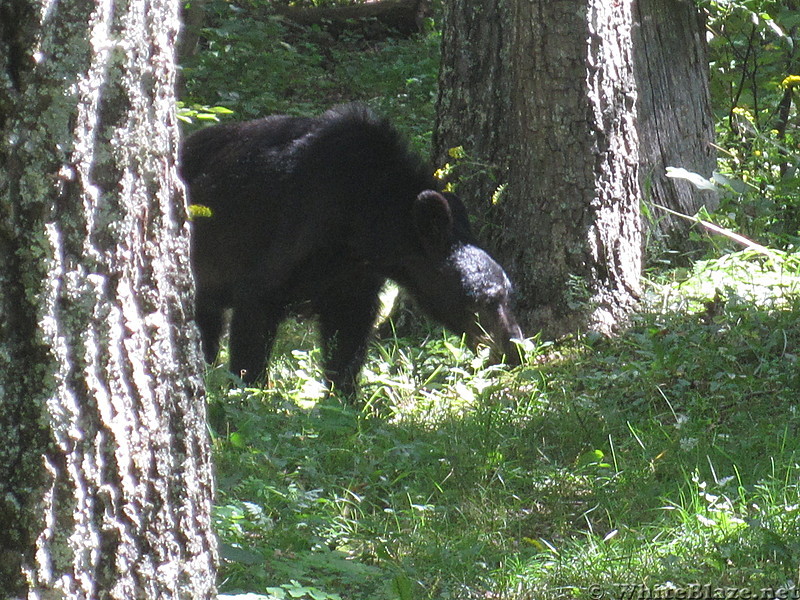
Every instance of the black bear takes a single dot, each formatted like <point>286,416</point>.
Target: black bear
<point>313,215</point>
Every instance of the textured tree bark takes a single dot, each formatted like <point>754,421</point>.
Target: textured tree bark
<point>541,95</point>
<point>105,469</point>
<point>676,126</point>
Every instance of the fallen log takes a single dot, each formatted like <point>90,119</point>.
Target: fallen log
<point>405,17</point>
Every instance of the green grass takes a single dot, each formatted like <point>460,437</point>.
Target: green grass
<point>666,456</point>
<point>255,67</point>
<point>634,467</point>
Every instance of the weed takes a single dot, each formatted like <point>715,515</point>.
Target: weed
<point>665,456</point>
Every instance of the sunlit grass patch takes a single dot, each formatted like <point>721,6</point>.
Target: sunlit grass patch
<point>667,456</point>
<point>719,534</point>
<point>765,280</point>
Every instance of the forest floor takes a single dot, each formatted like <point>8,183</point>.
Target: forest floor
<point>648,465</point>
<point>662,463</point>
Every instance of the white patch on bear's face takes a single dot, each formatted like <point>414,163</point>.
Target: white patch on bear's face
<point>488,290</point>
<point>482,279</point>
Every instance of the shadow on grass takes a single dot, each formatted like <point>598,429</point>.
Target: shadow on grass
<point>666,454</point>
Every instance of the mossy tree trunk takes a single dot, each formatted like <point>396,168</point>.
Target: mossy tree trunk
<point>542,96</point>
<point>105,472</point>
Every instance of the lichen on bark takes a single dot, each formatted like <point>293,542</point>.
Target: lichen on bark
<point>100,389</point>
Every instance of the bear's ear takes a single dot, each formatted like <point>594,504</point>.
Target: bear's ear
<point>433,221</point>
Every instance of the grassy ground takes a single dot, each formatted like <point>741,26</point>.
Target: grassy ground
<point>649,465</point>
<point>598,469</point>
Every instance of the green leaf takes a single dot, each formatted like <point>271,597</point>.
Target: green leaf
<point>403,587</point>
<point>199,211</point>
<point>240,555</point>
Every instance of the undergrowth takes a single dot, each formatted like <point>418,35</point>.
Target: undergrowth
<point>256,66</point>
<point>663,459</point>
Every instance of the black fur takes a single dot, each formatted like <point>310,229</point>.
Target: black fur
<point>315,214</point>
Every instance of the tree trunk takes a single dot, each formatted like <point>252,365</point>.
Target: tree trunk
<point>193,16</point>
<point>541,95</point>
<point>105,469</point>
<point>676,127</point>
